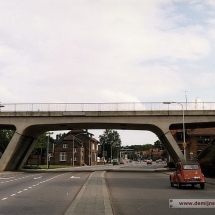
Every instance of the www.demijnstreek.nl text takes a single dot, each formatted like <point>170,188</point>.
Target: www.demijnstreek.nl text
<point>192,203</point>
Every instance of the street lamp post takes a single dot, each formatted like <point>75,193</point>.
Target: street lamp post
<point>111,153</point>
<point>184,141</point>
<point>47,153</point>
<point>89,156</point>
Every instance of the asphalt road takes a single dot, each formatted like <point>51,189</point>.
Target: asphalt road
<point>148,193</point>
<point>143,191</point>
<point>39,193</point>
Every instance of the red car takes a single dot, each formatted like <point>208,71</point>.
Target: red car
<point>187,172</point>
<point>149,161</point>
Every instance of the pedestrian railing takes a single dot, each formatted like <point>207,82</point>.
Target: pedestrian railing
<point>124,106</point>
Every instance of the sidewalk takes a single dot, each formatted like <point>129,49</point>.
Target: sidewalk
<point>93,198</point>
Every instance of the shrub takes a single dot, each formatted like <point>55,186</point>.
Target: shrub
<point>31,167</point>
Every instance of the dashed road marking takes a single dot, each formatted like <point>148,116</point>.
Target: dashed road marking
<point>14,194</point>
<point>4,198</point>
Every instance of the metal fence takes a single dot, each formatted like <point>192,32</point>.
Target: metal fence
<point>124,106</point>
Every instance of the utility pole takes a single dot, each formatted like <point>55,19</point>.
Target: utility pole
<point>47,153</point>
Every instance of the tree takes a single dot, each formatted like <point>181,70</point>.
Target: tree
<point>158,144</point>
<point>40,147</point>
<point>111,142</point>
<point>5,137</point>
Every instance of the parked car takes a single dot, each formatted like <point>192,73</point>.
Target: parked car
<point>149,161</point>
<point>115,162</point>
<point>187,172</point>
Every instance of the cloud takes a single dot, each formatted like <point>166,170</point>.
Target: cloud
<point>106,51</point>
<point>89,51</point>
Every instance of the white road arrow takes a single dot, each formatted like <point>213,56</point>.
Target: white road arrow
<point>74,177</point>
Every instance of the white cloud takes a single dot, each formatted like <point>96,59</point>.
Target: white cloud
<point>105,51</point>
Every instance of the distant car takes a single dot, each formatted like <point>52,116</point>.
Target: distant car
<point>115,162</point>
<point>149,161</point>
<point>121,162</point>
<point>159,161</point>
<point>187,172</point>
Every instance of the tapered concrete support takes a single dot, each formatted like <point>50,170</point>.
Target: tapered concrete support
<point>172,147</point>
<point>18,150</point>
<point>164,135</point>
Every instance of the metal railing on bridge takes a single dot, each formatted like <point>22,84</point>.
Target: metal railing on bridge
<point>123,106</point>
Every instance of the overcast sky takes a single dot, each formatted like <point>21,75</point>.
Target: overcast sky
<point>107,51</point>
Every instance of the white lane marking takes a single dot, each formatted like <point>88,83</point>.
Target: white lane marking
<point>2,178</point>
<point>32,185</point>
<point>38,177</point>
<point>75,177</point>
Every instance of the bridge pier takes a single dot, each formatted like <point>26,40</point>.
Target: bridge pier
<point>18,150</point>
<point>172,147</point>
<point>162,131</point>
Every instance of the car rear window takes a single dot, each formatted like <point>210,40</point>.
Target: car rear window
<point>191,166</point>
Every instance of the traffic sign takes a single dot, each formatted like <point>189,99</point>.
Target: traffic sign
<point>184,144</point>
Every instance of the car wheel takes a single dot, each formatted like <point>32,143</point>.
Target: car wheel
<point>171,183</point>
<point>202,186</point>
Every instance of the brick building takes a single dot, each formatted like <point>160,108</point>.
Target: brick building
<point>85,149</point>
<point>196,140</point>
<point>154,154</point>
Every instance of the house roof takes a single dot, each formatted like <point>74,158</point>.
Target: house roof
<point>76,134</point>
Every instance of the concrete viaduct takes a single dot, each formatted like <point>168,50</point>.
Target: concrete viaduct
<point>30,124</point>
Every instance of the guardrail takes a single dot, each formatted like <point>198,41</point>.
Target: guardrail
<point>124,106</point>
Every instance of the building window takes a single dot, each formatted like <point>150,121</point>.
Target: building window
<point>65,146</point>
<point>203,139</point>
<point>93,146</point>
<point>206,139</point>
<point>75,159</point>
<point>199,140</point>
<point>180,136</point>
<point>63,156</point>
<point>75,150</point>
<point>198,151</point>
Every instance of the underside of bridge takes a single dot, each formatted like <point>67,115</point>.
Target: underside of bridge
<point>24,140</point>
<point>29,126</point>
